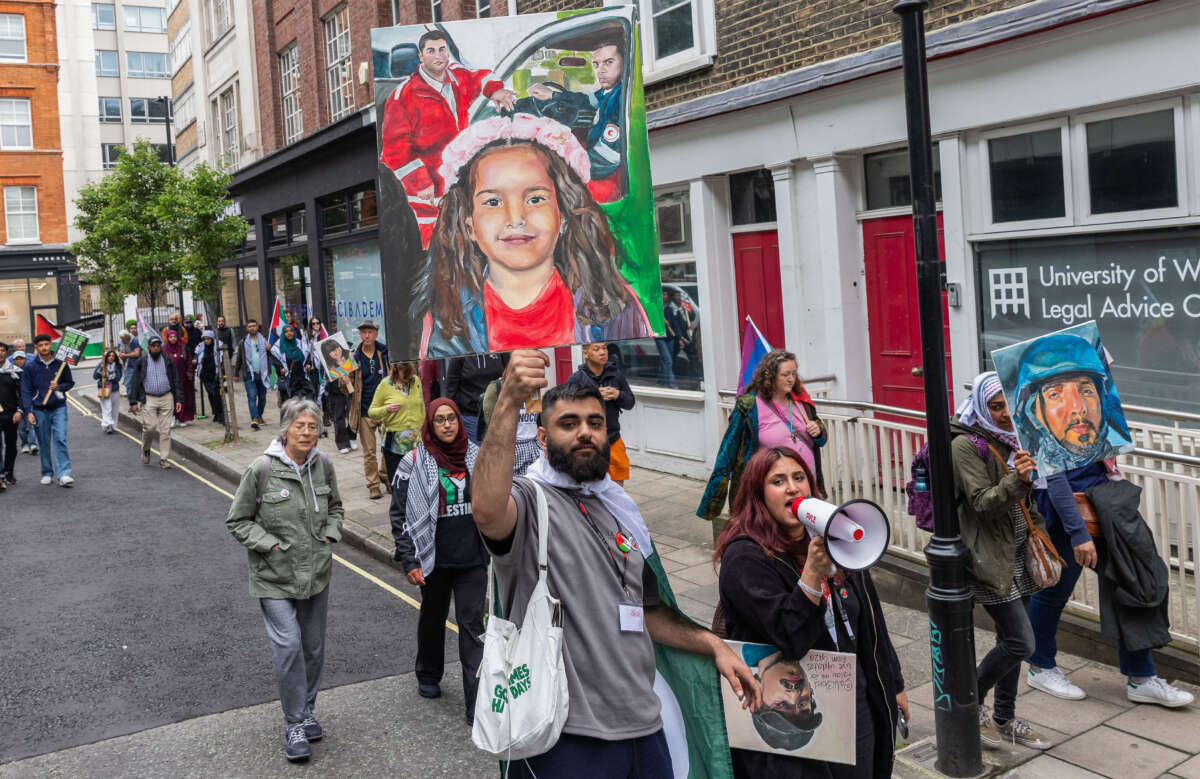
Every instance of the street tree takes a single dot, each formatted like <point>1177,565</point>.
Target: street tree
<point>146,225</point>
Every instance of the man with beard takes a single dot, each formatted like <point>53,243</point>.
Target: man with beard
<point>1066,408</point>
<point>155,387</point>
<point>611,607</point>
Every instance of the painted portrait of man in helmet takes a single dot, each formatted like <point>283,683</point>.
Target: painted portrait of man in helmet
<point>1067,411</point>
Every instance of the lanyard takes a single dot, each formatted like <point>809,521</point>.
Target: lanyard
<point>789,420</point>
<point>612,558</point>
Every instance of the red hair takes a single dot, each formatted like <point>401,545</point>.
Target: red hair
<point>752,518</point>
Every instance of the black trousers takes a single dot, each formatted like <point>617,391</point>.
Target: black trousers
<point>469,588</point>
<point>339,412</point>
<point>216,409</point>
<point>8,432</point>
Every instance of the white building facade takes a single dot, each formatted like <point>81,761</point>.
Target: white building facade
<point>1068,137</point>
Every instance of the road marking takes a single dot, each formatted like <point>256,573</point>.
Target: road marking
<point>416,604</point>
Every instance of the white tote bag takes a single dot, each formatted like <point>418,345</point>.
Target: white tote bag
<point>521,705</point>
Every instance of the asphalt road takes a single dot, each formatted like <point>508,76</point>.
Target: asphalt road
<point>126,609</point>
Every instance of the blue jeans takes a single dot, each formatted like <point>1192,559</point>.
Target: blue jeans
<point>471,423</point>
<point>1045,609</point>
<point>51,430</point>
<point>636,758</point>
<point>25,433</point>
<point>256,397</point>
<point>666,362</point>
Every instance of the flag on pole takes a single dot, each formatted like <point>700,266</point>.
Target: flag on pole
<point>44,326</point>
<point>274,333</point>
<point>754,348</point>
<point>146,330</point>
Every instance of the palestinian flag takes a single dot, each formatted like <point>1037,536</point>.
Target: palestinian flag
<point>44,327</point>
<point>693,713</point>
<point>274,333</point>
<point>145,330</point>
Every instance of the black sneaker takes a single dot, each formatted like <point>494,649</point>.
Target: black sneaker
<point>429,690</point>
<point>312,729</point>
<point>295,743</point>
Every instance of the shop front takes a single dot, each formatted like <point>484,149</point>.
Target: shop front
<point>36,282</point>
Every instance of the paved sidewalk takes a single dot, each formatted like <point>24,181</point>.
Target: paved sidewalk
<point>1103,735</point>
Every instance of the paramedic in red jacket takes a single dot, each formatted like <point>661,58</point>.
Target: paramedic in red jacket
<point>424,114</point>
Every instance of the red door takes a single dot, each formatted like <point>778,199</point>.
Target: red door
<point>562,364</point>
<point>892,317</point>
<point>756,272</point>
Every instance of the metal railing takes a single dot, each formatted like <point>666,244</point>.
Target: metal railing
<point>870,451</point>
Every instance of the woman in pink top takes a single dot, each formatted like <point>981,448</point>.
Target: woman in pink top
<point>775,411</point>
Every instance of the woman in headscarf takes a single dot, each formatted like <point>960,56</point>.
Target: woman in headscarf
<point>993,476</point>
<point>205,364</point>
<point>295,382</point>
<point>176,351</point>
<point>439,548</point>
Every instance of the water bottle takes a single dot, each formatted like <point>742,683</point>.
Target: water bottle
<point>921,484</point>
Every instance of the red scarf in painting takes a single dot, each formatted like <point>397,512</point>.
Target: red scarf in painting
<point>548,321</point>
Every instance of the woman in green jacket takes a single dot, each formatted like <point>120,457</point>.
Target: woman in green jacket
<point>993,483</point>
<point>399,404</point>
<point>775,411</point>
<point>288,514</point>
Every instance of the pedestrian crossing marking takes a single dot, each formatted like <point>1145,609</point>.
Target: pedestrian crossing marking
<point>411,601</point>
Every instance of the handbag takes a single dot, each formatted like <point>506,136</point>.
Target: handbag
<point>521,705</point>
<point>1041,558</point>
<point>1088,512</point>
<point>104,391</point>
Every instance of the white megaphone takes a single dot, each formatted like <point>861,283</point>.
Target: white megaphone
<point>856,533</point>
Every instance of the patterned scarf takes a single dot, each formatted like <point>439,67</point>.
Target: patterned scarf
<point>974,410</point>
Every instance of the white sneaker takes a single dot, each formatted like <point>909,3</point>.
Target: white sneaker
<point>1053,682</point>
<point>66,481</point>
<point>33,448</point>
<point>47,479</point>
<point>354,445</point>
<point>344,450</point>
<point>25,449</point>
<point>1157,690</point>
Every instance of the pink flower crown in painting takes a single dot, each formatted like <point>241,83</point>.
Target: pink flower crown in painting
<point>521,127</point>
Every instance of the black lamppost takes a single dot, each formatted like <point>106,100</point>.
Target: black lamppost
<point>951,630</point>
<point>166,103</point>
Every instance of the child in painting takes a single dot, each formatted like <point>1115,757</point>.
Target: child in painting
<point>521,255</point>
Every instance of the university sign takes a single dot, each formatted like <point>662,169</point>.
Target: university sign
<point>1142,289</point>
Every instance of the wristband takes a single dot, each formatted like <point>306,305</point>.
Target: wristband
<point>815,593</point>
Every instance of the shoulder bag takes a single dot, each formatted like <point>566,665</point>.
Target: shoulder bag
<point>521,705</point>
<point>1041,558</point>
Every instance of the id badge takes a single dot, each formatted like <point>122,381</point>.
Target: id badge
<point>633,619</point>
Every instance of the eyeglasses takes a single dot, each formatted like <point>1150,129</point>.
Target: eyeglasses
<point>445,420</point>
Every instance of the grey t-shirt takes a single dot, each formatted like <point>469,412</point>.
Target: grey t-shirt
<point>610,673</point>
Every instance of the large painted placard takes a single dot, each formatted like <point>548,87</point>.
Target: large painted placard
<point>515,200</point>
<point>1063,399</point>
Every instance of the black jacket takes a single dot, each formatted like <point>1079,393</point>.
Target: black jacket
<point>611,376</point>
<point>467,378</point>
<point>1133,577</point>
<point>10,395</point>
<point>224,336</point>
<point>137,392</point>
<point>761,602</point>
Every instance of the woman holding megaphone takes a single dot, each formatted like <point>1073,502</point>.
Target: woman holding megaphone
<point>778,586</point>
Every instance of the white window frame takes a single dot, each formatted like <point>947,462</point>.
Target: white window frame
<point>184,112</point>
<point>104,117</point>
<point>700,55</point>
<point>96,18</point>
<point>482,7</point>
<point>289,91</point>
<point>226,120</point>
<point>28,124</point>
<point>220,18</point>
<point>105,161</point>
<point>338,79</point>
<point>1082,173</point>
<point>139,10</point>
<point>8,214</point>
<point>99,57</point>
<point>979,161</point>
<point>142,71</point>
<point>181,47</point>
<point>435,11</point>
<point>24,56</point>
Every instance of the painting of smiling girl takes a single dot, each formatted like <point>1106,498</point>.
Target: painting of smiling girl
<point>521,254</point>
